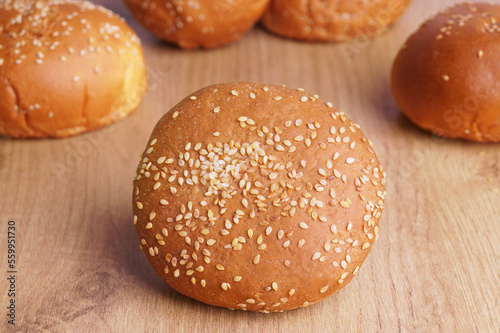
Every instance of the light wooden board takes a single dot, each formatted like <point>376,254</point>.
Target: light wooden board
<point>435,267</point>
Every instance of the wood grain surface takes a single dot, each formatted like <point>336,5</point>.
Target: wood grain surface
<point>435,267</point>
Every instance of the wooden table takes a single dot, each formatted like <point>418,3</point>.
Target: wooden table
<point>435,267</point>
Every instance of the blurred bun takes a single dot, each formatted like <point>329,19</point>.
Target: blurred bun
<point>66,67</point>
<point>257,197</point>
<point>332,20</point>
<point>446,78</point>
<point>194,24</point>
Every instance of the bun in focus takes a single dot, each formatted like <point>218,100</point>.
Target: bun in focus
<point>257,197</point>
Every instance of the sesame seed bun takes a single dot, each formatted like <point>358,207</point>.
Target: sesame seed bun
<point>66,67</point>
<point>257,197</point>
<point>331,20</point>
<point>446,77</point>
<point>198,24</point>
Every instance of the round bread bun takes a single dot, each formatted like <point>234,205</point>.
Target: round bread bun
<point>66,67</point>
<point>198,24</point>
<point>257,197</point>
<point>446,78</point>
<point>331,20</point>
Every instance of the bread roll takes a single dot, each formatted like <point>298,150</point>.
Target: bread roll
<point>198,24</point>
<point>446,77</point>
<point>257,197</point>
<point>66,67</point>
<point>331,20</point>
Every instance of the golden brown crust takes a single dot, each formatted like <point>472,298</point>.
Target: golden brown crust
<point>199,23</point>
<point>446,77</point>
<point>66,67</point>
<point>257,197</point>
<point>332,20</point>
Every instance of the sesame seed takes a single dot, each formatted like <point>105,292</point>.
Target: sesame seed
<point>149,225</point>
<point>269,230</point>
<point>237,278</point>
<point>303,225</point>
<point>445,77</point>
<point>216,109</point>
<point>274,285</point>
<point>256,259</point>
<point>234,93</point>
<point>192,98</point>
